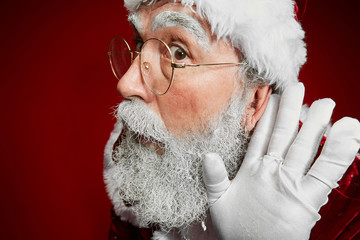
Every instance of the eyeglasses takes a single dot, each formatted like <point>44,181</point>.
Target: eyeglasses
<point>157,62</point>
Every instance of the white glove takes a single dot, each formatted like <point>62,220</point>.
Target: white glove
<point>275,195</point>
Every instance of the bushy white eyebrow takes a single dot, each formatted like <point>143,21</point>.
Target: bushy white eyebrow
<point>134,19</point>
<point>181,19</point>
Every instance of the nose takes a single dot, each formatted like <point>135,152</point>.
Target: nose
<point>131,85</point>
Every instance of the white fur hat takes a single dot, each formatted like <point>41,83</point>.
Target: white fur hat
<point>264,30</point>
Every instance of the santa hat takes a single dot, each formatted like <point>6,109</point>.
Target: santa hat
<point>265,31</point>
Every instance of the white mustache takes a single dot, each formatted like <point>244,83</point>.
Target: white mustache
<point>142,120</point>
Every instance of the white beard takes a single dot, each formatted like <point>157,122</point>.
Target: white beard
<point>167,189</point>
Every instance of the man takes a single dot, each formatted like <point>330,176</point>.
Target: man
<point>204,148</point>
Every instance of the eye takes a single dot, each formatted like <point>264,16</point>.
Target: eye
<point>178,53</point>
<point>138,42</point>
<point>139,45</point>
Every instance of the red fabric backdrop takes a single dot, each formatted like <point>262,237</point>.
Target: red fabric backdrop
<point>57,93</point>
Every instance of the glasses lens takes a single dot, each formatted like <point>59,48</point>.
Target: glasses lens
<point>120,56</point>
<point>155,65</point>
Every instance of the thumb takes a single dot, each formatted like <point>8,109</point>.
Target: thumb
<point>215,177</point>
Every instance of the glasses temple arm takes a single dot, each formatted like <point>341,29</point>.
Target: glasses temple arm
<point>183,65</point>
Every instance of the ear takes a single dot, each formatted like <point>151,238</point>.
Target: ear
<point>257,105</point>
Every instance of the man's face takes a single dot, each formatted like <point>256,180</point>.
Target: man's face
<point>158,167</point>
<point>197,94</point>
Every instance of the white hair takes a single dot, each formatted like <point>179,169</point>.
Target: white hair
<point>265,31</point>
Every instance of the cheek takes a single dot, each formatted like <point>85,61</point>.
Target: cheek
<point>188,103</point>
<point>180,110</point>
<point>216,95</point>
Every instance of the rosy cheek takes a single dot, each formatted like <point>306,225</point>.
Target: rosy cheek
<point>180,109</point>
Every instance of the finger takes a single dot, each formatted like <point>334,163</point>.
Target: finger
<point>287,120</point>
<point>338,153</point>
<point>306,144</point>
<point>261,137</point>
<point>215,177</point>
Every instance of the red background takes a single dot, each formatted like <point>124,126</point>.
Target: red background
<point>57,93</point>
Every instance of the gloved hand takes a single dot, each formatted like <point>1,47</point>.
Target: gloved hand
<point>275,195</point>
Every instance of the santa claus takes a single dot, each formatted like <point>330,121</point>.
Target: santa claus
<point>207,143</point>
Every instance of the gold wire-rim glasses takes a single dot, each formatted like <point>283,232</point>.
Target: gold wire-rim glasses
<point>134,54</point>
